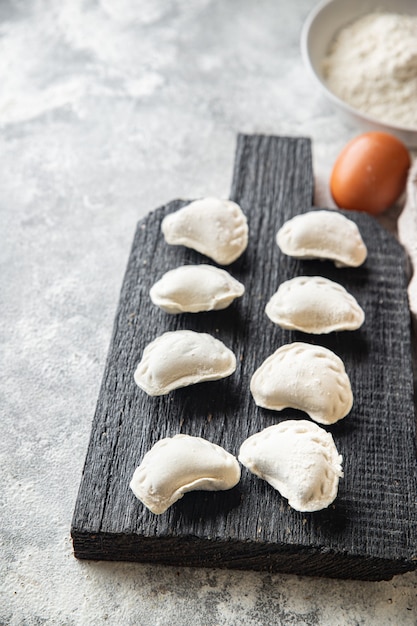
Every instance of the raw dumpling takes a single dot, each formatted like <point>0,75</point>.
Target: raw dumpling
<point>194,288</point>
<point>179,464</point>
<point>323,235</point>
<point>305,377</point>
<point>299,459</point>
<point>180,358</point>
<point>314,304</point>
<point>214,227</point>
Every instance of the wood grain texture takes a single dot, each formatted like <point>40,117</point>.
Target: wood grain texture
<point>370,531</point>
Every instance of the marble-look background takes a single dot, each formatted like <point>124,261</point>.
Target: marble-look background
<point>108,109</point>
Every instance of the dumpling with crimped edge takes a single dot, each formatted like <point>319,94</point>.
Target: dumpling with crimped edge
<point>314,304</point>
<point>214,227</point>
<point>302,376</point>
<point>299,459</point>
<point>195,288</point>
<point>323,234</point>
<point>180,358</point>
<point>177,465</point>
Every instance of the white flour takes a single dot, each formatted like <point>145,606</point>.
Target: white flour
<point>372,65</point>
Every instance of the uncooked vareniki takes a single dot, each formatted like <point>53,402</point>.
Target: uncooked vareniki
<point>323,235</point>
<point>302,376</point>
<point>299,459</point>
<point>195,288</point>
<point>214,227</point>
<point>174,466</point>
<point>314,304</point>
<point>180,358</point>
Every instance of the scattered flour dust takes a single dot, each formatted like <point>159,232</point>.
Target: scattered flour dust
<point>372,65</point>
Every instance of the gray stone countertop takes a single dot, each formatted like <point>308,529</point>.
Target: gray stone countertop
<point>108,109</point>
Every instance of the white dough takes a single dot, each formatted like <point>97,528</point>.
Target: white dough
<point>214,227</point>
<point>323,235</point>
<point>299,459</point>
<point>305,377</point>
<point>179,464</point>
<point>314,304</point>
<point>194,288</point>
<point>180,358</point>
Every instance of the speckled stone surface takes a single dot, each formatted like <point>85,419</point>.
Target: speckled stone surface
<point>108,109</point>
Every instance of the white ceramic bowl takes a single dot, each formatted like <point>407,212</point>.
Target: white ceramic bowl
<point>326,19</point>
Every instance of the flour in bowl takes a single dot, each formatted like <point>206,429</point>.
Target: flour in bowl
<point>372,65</point>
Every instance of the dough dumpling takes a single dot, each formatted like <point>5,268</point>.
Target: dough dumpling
<point>195,288</point>
<point>323,235</point>
<point>174,466</point>
<point>306,377</point>
<point>180,358</point>
<point>214,227</point>
<point>299,459</point>
<point>314,304</point>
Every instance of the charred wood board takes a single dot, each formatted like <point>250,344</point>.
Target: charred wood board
<point>370,530</point>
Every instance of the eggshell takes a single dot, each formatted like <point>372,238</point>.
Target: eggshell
<point>370,173</point>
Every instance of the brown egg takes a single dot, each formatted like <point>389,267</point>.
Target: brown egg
<point>370,173</point>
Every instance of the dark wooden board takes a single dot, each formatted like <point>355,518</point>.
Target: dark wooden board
<point>370,531</point>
